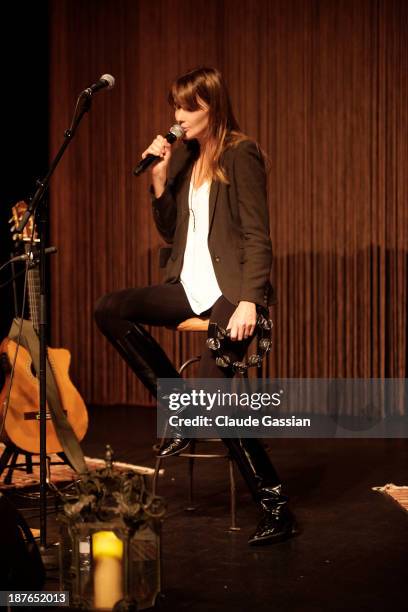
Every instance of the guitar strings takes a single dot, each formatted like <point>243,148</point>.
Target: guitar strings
<point>33,291</point>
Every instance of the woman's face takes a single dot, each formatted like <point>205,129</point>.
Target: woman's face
<point>194,123</point>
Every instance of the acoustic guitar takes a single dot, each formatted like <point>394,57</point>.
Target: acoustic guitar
<point>22,425</point>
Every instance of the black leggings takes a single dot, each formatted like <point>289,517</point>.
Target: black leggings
<point>121,315</point>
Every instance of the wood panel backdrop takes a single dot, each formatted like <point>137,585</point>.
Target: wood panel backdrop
<point>322,86</point>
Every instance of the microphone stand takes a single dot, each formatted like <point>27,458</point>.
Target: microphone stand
<point>38,207</point>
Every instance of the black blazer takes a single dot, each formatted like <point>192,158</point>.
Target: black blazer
<point>238,237</point>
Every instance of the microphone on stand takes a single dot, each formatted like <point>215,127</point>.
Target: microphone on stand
<point>175,132</point>
<point>106,80</point>
<point>30,256</point>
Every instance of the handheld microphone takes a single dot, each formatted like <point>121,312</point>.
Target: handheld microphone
<point>106,80</point>
<point>175,132</point>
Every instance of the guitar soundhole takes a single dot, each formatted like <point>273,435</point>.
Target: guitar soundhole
<point>33,370</point>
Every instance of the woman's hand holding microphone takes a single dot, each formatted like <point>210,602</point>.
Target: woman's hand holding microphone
<point>162,149</point>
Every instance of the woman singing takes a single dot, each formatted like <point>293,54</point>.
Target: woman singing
<point>209,204</point>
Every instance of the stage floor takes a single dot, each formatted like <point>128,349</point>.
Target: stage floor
<point>351,553</point>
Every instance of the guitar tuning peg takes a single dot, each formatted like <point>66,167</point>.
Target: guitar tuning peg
<point>12,228</point>
<point>15,236</point>
<point>11,220</point>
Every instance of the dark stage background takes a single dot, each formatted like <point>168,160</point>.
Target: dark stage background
<point>322,85</point>
<point>24,49</point>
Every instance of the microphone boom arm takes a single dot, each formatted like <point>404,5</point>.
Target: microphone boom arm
<point>82,106</point>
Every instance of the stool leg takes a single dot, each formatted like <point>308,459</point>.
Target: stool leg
<point>5,457</point>
<point>187,363</point>
<point>48,470</point>
<point>233,496</point>
<point>29,463</point>
<point>156,475</point>
<point>158,462</point>
<point>191,506</point>
<point>10,470</point>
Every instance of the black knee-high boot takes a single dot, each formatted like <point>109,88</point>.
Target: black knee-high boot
<point>277,521</point>
<point>138,348</point>
<point>147,360</point>
<point>150,362</point>
<point>254,464</point>
<point>145,356</point>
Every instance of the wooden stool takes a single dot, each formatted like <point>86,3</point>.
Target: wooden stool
<point>200,324</point>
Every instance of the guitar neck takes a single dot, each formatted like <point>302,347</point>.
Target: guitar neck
<point>33,282</point>
<point>29,238</point>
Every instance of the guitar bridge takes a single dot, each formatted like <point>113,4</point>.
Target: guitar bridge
<point>35,415</point>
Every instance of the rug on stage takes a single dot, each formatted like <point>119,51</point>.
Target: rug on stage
<point>62,473</point>
<point>398,493</point>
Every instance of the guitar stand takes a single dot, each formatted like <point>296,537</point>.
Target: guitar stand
<point>9,457</point>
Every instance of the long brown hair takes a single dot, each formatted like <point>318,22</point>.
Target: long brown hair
<point>207,84</point>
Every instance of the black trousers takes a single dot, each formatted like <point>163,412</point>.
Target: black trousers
<point>121,315</point>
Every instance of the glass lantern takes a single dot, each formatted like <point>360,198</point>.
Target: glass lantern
<point>110,542</point>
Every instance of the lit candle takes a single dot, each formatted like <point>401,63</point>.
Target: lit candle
<point>107,551</point>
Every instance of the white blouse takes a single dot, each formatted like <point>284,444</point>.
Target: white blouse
<point>197,275</point>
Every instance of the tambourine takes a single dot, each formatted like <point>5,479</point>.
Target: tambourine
<point>218,335</point>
